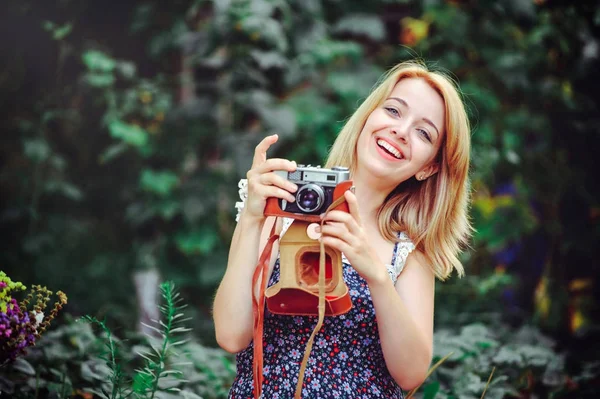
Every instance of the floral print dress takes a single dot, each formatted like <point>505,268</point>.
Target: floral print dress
<point>346,360</point>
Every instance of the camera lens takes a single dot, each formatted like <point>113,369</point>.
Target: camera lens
<point>310,198</point>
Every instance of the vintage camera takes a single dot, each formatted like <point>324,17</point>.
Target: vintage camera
<point>317,189</point>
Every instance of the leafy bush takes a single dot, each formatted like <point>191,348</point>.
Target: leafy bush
<point>74,361</point>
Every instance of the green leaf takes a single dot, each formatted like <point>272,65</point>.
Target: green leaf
<point>131,134</point>
<point>160,183</point>
<point>509,357</point>
<point>37,150</point>
<point>98,61</point>
<point>430,390</point>
<point>66,189</point>
<point>23,366</point>
<point>168,209</point>
<point>62,32</point>
<point>127,69</point>
<point>93,370</point>
<point>142,382</point>
<point>366,25</point>
<point>327,51</point>
<point>48,25</point>
<point>113,152</point>
<point>200,241</point>
<point>99,79</point>
<point>269,59</point>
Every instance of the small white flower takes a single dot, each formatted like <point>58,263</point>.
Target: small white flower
<point>39,317</point>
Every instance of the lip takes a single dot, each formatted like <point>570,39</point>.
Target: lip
<point>385,154</point>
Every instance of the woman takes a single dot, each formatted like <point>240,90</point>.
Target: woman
<point>407,147</point>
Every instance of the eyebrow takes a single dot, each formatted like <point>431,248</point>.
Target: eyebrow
<point>401,101</point>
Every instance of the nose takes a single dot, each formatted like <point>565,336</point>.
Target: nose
<point>401,132</point>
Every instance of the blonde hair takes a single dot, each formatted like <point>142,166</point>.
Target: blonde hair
<point>432,212</point>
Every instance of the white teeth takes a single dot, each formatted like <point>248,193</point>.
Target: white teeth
<point>389,148</point>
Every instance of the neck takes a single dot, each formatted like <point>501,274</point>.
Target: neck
<point>370,194</point>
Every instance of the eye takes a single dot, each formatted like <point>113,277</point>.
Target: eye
<point>393,111</point>
<point>425,134</point>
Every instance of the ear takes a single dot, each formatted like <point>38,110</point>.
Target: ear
<point>428,171</point>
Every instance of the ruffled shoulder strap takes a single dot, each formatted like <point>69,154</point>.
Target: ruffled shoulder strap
<point>243,192</point>
<point>403,248</point>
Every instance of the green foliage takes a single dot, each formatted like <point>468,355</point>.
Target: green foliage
<point>73,361</point>
<point>123,146</point>
<point>146,380</point>
<point>524,360</point>
<point>110,356</point>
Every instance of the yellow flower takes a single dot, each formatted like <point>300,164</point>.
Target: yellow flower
<point>413,30</point>
<point>577,320</point>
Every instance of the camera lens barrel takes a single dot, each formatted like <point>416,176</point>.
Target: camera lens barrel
<point>310,198</point>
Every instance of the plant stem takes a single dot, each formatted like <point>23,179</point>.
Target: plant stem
<point>170,310</point>
<point>488,382</point>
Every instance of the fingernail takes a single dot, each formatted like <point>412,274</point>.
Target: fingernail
<point>318,229</point>
<point>322,216</point>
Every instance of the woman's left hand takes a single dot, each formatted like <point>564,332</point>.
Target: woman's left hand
<point>344,232</point>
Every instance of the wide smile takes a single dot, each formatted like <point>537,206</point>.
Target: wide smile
<point>387,150</point>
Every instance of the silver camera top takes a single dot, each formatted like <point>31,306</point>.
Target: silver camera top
<point>316,174</point>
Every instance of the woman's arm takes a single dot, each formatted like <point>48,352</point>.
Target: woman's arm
<point>404,312</point>
<point>405,320</point>
<point>232,309</point>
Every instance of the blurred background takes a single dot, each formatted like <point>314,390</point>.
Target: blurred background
<point>126,126</point>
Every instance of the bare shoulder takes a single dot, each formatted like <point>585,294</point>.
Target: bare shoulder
<point>417,272</point>
<point>416,287</point>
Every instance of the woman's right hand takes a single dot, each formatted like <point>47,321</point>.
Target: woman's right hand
<point>263,183</point>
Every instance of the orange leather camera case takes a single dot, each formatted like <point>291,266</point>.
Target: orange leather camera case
<point>273,209</point>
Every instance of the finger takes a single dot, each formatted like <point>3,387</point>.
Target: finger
<point>273,191</point>
<point>338,230</point>
<point>336,216</point>
<point>342,217</point>
<point>273,164</point>
<point>260,152</point>
<point>336,243</point>
<point>273,179</point>
<point>353,206</point>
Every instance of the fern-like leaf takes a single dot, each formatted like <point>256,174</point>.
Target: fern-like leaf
<point>117,378</point>
<point>157,366</point>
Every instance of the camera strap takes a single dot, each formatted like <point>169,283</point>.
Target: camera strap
<point>258,309</point>
<point>258,305</point>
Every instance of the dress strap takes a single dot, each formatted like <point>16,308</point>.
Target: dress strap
<point>404,246</point>
<point>243,193</point>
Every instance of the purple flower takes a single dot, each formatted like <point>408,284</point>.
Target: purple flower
<point>16,331</point>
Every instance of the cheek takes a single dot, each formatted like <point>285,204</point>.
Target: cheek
<point>424,153</point>
<point>365,134</point>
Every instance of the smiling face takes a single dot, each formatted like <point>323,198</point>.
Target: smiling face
<point>403,135</point>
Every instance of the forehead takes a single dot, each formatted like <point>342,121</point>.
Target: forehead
<point>421,98</point>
